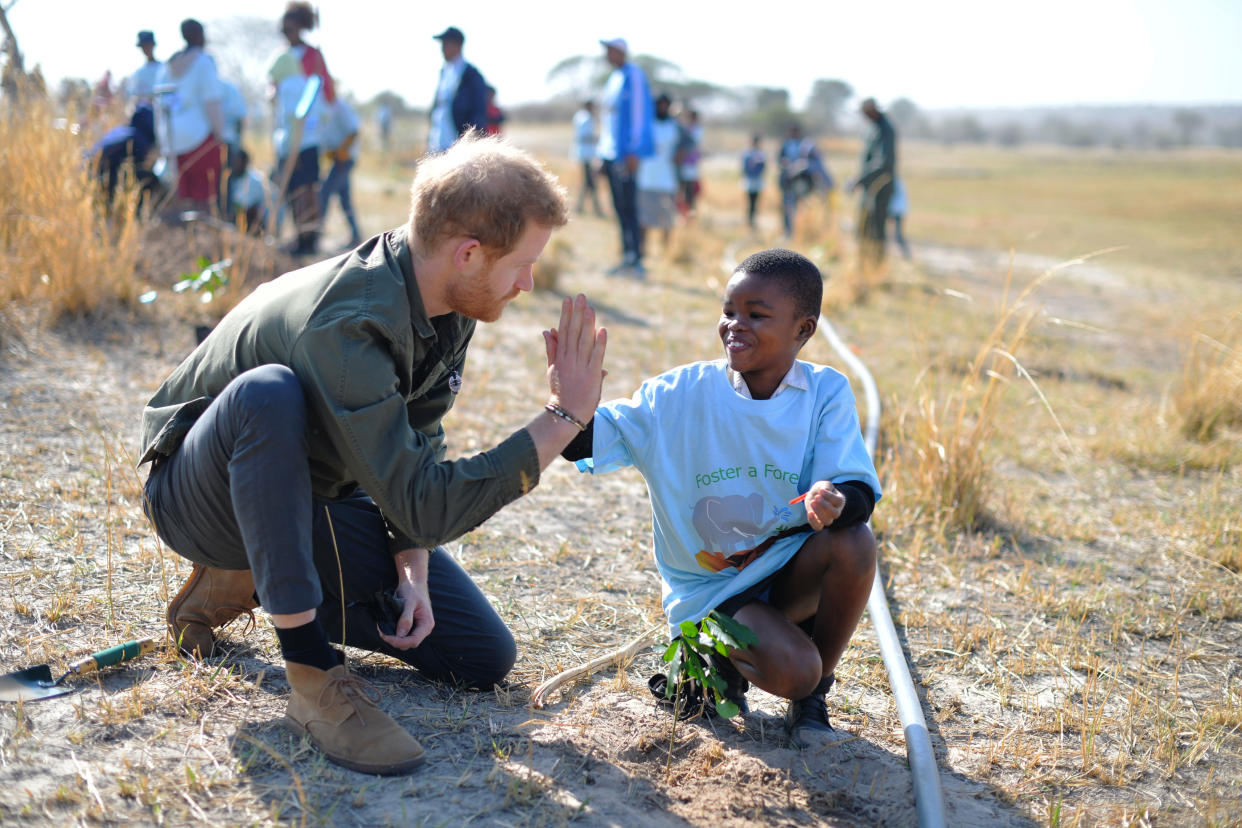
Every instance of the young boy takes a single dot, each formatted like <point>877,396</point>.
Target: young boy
<point>724,447</point>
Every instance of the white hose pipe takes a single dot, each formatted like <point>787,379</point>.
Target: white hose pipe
<point>928,800</point>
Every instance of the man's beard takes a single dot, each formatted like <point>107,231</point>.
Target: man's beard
<point>471,299</point>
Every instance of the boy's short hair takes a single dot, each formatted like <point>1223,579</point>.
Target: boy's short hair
<point>483,188</point>
<point>798,276</point>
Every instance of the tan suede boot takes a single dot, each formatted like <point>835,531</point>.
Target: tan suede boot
<point>209,599</point>
<point>338,712</point>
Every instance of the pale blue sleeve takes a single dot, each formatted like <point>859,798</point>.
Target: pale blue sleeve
<point>840,453</point>
<point>622,432</point>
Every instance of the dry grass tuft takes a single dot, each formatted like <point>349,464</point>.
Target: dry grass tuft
<point>58,249</point>
<point>939,458</point>
<point>1209,397</point>
<point>554,262</point>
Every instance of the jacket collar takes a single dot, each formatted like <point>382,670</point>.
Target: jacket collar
<point>399,248</point>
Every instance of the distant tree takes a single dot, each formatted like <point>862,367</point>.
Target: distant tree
<point>768,111</point>
<point>908,119</point>
<point>244,48</point>
<point>1189,122</point>
<point>903,112</point>
<point>824,104</point>
<point>962,129</point>
<point>1010,134</point>
<point>73,94</point>
<point>395,102</point>
<point>1230,136</point>
<point>579,75</point>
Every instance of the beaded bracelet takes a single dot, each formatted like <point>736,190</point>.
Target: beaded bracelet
<point>566,416</point>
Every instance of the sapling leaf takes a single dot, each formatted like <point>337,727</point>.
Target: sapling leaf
<point>714,681</point>
<point>738,631</point>
<point>721,636</point>
<point>671,649</point>
<point>695,668</point>
<point>726,708</point>
<point>688,630</point>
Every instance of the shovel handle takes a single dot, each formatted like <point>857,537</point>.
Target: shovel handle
<point>112,656</point>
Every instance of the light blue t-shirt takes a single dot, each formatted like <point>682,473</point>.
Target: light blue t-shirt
<point>721,470</point>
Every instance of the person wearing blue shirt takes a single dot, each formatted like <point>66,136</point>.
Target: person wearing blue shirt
<point>627,112</point>
<point>341,145</point>
<point>754,162</point>
<point>760,489</point>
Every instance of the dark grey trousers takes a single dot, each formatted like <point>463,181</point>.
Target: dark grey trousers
<point>236,495</point>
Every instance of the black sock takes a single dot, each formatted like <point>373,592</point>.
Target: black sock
<point>308,644</point>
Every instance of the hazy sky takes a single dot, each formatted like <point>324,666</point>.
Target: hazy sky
<point>969,53</point>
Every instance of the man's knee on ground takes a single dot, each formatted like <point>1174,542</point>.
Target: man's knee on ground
<point>491,663</point>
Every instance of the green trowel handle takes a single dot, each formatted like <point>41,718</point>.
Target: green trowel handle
<point>112,656</point>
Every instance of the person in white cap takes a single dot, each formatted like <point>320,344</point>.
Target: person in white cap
<point>626,137</point>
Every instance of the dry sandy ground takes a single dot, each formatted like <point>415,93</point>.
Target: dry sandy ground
<point>170,741</point>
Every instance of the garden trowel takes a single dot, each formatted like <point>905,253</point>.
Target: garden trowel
<point>36,683</point>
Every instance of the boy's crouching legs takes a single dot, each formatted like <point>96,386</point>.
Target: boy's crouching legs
<point>827,583</point>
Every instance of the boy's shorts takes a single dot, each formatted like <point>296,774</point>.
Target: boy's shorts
<point>760,591</point>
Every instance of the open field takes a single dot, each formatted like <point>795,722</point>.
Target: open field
<point>1076,645</point>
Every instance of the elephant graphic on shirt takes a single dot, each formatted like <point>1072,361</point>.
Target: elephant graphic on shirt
<point>730,528</point>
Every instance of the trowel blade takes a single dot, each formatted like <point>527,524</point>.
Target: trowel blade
<point>31,684</point>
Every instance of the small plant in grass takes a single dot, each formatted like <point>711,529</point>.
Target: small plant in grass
<point>689,659</point>
<point>211,278</point>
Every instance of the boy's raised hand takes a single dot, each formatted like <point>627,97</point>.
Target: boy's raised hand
<point>824,503</point>
<point>576,359</point>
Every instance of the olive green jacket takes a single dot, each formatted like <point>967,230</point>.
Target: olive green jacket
<point>375,371</point>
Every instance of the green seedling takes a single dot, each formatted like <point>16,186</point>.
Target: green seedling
<point>688,656</point>
<point>210,279</point>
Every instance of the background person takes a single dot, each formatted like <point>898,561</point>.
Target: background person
<point>626,113</point>
<point>898,206</point>
<point>461,94</point>
<point>657,175</point>
<point>754,162</point>
<point>586,135</point>
<point>495,115</point>
<point>802,171</point>
<point>140,86</point>
<point>875,183</point>
<point>340,143</point>
<point>297,141</point>
<point>337,377</point>
<point>689,153</point>
<point>191,122</point>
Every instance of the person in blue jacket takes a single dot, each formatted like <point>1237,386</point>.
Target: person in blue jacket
<point>461,95</point>
<point>626,137</point>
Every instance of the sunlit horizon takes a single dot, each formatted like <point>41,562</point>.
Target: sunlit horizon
<point>959,55</point>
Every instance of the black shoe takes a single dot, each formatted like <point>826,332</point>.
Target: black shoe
<point>806,721</point>
<point>736,684</point>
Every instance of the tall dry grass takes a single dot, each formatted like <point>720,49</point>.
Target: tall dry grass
<point>937,464</point>
<point>59,250</point>
<point>1209,396</point>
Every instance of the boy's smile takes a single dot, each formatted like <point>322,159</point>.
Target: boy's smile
<point>761,331</point>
